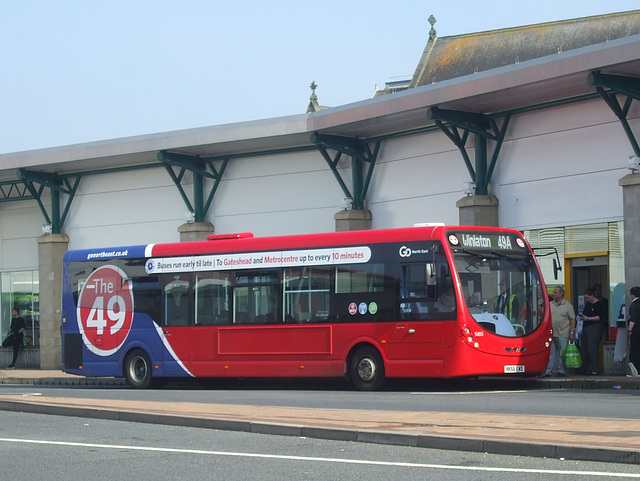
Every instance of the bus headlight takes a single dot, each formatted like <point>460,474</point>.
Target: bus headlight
<point>467,334</point>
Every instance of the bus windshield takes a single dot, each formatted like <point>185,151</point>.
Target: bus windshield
<point>502,289</point>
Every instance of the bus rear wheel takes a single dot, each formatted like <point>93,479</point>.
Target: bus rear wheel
<point>367,369</point>
<point>137,369</point>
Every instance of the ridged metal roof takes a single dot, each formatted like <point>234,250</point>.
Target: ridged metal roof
<point>460,55</point>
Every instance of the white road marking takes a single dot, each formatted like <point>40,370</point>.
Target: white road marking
<point>324,460</point>
<point>465,393</point>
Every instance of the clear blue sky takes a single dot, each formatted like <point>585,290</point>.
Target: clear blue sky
<point>75,71</point>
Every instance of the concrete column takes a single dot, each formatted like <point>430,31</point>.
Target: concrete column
<point>355,219</point>
<point>481,210</point>
<point>195,231</point>
<point>51,250</point>
<point>631,217</point>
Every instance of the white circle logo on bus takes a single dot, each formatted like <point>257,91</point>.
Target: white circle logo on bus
<point>520,242</point>
<point>353,308</point>
<point>149,266</point>
<point>404,251</point>
<point>453,240</point>
<point>105,310</point>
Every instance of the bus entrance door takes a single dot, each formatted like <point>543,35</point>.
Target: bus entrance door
<point>419,341</point>
<point>176,327</point>
<point>177,350</point>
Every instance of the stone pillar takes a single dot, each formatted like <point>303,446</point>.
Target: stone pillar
<point>355,219</point>
<point>51,250</point>
<point>480,210</point>
<point>631,218</point>
<point>195,231</point>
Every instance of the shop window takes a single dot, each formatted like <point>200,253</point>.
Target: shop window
<point>21,290</point>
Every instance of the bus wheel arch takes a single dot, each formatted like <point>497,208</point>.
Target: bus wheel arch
<point>365,368</point>
<point>137,369</point>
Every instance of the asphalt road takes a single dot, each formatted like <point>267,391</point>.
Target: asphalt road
<point>587,419</point>
<point>59,448</point>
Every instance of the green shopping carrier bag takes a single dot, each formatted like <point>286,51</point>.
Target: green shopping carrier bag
<point>571,356</point>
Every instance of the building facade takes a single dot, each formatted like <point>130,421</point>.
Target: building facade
<point>536,145</point>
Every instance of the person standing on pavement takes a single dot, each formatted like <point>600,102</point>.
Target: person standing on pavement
<point>592,316</point>
<point>597,291</point>
<point>17,328</point>
<point>563,319</point>
<point>634,331</point>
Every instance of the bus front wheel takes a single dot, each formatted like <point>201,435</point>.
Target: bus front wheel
<point>367,369</point>
<point>137,369</point>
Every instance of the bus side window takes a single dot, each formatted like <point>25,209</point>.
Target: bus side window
<point>371,286</point>
<point>306,294</point>
<point>446,294</point>
<point>212,298</point>
<point>256,298</point>
<point>147,296</point>
<point>176,300</point>
<point>413,292</point>
<point>427,291</point>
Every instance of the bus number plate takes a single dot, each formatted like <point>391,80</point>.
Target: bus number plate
<point>516,368</point>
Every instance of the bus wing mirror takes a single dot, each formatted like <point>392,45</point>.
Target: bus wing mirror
<point>556,269</point>
<point>549,251</point>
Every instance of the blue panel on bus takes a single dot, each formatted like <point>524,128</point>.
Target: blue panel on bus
<point>147,337</point>
<point>106,254</point>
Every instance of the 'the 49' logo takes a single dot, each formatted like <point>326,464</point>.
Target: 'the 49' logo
<point>105,310</point>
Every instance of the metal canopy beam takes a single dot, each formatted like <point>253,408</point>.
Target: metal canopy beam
<point>200,168</point>
<point>453,122</point>
<point>609,87</point>
<point>57,185</point>
<point>360,153</point>
<point>12,191</point>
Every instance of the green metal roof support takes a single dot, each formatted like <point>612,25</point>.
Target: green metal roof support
<point>617,84</point>
<point>57,185</point>
<point>12,191</point>
<point>360,153</point>
<point>451,122</point>
<point>201,168</point>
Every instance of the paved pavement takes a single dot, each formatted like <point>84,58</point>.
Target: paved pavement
<point>595,439</point>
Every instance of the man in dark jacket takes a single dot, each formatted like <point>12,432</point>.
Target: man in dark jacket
<point>634,331</point>
<point>17,328</point>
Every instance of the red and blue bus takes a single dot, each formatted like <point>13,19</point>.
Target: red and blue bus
<point>420,302</point>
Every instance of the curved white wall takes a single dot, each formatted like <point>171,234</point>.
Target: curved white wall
<point>561,166</point>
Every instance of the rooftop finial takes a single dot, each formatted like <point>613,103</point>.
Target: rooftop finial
<point>313,100</point>
<point>432,32</point>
